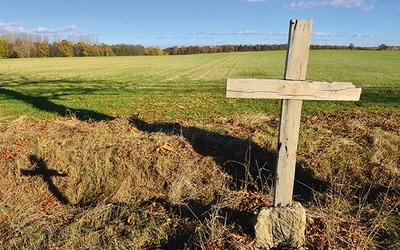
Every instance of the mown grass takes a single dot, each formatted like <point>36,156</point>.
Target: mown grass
<point>147,153</point>
<point>165,88</point>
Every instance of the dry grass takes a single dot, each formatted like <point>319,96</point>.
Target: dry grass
<point>133,184</point>
<point>111,168</point>
<point>358,156</point>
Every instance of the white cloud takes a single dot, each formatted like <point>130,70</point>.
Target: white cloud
<point>338,35</point>
<point>71,30</point>
<point>57,31</point>
<point>364,35</point>
<point>14,27</point>
<point>305,5</point>
<point>253,1</point>
<point>328,34</point>
<point>360,4</point>
<point>250,32</point>
<point>322,33</point>
<point>198,33</point>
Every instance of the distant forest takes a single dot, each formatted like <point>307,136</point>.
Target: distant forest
<point>30,46</point>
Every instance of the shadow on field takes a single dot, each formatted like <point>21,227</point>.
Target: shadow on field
<point>381,95</point>
<point>44,104</point>
<point>196,217</point>
<point>247,163</point>
<point>250,166</point>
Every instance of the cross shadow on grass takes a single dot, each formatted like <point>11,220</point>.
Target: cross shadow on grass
<point>44,104</point>
<point>41,169</point>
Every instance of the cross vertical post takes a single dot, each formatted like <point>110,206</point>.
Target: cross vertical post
<point>296,68</point>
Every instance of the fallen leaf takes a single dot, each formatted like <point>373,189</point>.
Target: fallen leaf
<point>165,148</point>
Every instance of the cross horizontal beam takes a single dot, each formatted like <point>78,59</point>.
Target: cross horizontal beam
<point>292,90</point>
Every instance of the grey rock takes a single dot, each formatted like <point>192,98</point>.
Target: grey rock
<point>281,227</point>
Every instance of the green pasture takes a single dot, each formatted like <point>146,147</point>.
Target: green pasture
<point>165,88</point>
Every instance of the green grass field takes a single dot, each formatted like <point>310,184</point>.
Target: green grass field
<point>170,87</point>
<point>147,153</point>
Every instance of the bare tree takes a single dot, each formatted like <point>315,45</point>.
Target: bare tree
<point>24,48</point>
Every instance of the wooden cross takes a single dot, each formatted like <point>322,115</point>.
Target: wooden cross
<point>292,90</point>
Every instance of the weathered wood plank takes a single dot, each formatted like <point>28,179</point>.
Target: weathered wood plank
<point>295,90</point>
<point>298,48</point>
<point>295,69</point>
<point>288,137</point>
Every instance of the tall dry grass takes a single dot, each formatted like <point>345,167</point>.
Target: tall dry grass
<point>112,172</point>
<point>136,184</point>
<point>358,156</point>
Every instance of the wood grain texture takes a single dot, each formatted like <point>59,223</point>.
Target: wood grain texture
<point>298,48</point>
<point>296,68</point>
<point>295,90</point>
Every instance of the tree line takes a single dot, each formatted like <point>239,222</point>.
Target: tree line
<point>27,46</point>
<point>184,50</point>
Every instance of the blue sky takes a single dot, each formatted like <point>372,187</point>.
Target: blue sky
<point>204,22</point>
